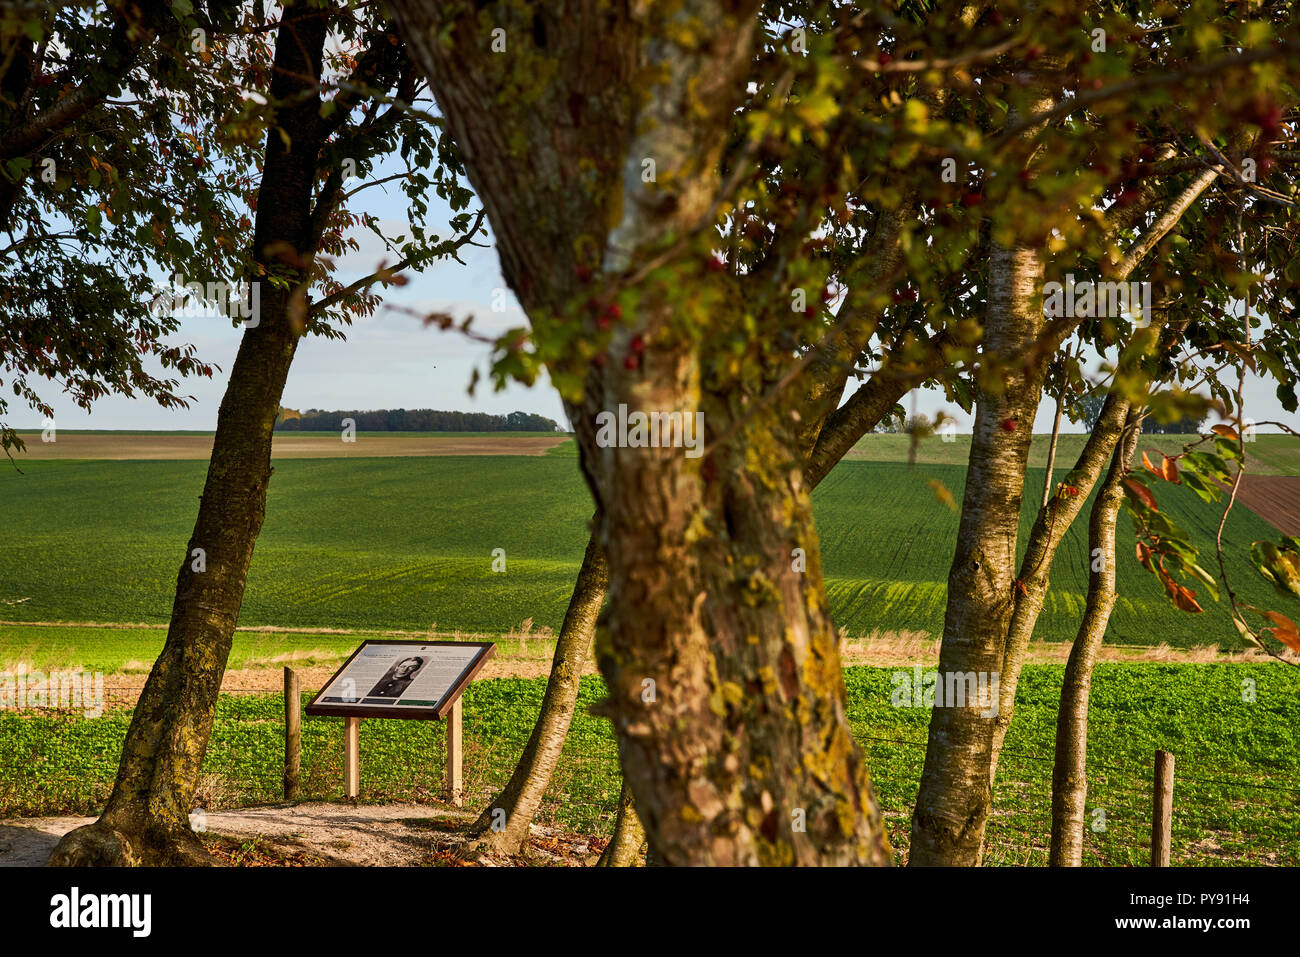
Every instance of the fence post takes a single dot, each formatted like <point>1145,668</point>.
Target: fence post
<point>351,757</point>
<point>455,751</point>
<point>292,734</point>
<point>1162,810</point>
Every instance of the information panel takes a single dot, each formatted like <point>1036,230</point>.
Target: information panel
<point>402,679</point>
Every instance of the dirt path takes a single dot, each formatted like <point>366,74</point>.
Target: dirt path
<point>121,691</point>
<point>529,656</point>
<point>386,835</point>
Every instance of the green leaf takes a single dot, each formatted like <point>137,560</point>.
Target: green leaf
<point>1211,583</point>
<point>1229,450</point>
<point>1204,490</point>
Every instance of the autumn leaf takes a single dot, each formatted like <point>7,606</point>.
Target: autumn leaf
<point>1144,555</point>
<point>1247,635</point>
<point>1185,599</point>
<point>1146,464</point>
<point>1140,492</point>
<point>1169,470</point>
<point>1227,431</point>
<point>1285,630</point>
<point>1281,566</point>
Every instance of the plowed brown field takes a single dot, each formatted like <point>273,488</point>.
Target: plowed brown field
<point>1275,499</point>
<point>146,445</point>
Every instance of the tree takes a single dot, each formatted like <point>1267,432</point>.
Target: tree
<point>718,771</point>
<point>103,179</point>
<point>647,259</point>
<point>992,603</point>
<point>298,217</point>
<point>1187,425</point>
<point>1069,770</point>
<point>1250,220</point>
<point>1090,407</point>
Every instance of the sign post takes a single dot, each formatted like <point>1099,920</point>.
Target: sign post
<point>351,757</point>
<point>292,734</point>
<point>455,751</point>
<point>420,680</point>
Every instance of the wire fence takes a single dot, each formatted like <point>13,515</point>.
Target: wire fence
<point>58,761</point>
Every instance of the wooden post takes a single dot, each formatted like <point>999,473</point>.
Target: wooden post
<point>455,751</point>
<point>292,734</point>
<point>1162,815</point>
<point>351,757</point>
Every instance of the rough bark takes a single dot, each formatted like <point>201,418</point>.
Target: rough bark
<point>953,804</point>
<point>522,795</point>
<point>146,818</point>
<point>628,837</point>
<point>724,675</point>
<point>1069,772</point>
<point>536,766</point>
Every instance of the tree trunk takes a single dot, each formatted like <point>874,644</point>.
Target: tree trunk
<point>146,819</point>
<point>721,662</point>
<point>1051,451</point>
<point>628,837</point>
<point>522,796</point>
<point>953,803</point>
<point>949,820</point>
<point>1036,564</point>
<point>536,766</point>
<point>1069,772</point>
<point>1054,521</point>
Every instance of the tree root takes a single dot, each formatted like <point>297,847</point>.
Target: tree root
<point>103,845</point>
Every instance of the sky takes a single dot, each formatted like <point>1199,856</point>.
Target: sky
<point>392,360</point>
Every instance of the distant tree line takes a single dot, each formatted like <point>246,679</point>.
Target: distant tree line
<point>415,420</point>
<point>1090,407</point>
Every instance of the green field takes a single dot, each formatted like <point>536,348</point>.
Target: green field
<point>1237,791</point>
<point>407,543</point>
<point>133,650</point>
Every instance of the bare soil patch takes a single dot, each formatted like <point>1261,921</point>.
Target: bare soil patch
<point>320,835</point>
<point>145,445</point>
<point>529,655</point>
<point>122,690</point>
<point>1275,499</point>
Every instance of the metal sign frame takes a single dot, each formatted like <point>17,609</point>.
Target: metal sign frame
<point>397,710</point>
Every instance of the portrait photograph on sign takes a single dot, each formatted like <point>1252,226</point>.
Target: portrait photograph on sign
<point>401,679</point>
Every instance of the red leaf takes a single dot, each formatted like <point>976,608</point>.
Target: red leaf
<point>1169,470</point>
<point>1171,586</point>
<point>1144,555</point>
<point>1141,493</point>
<point>1185,599</point>
<point>1146,464</point>
<point>1285,631</point>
